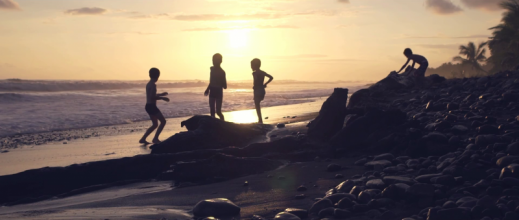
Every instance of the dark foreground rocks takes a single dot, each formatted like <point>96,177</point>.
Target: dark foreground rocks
<point>220,207</point>
<point>331,116</point>
<point>203,166</point>
<point>205,132</point>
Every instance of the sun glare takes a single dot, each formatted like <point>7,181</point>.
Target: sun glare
<point>245,116</point>
<point>238,38</point>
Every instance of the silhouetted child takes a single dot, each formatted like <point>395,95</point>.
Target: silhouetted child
<point>420,73</point>
<point>151,107</point>
<point>217,83</point>
<point>259,87</point>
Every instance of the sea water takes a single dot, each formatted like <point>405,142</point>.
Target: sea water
<point>32,106</point>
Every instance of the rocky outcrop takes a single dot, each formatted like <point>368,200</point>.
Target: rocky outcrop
<point>331,116</point>
<point>205,132</point>
<point>394,82</point>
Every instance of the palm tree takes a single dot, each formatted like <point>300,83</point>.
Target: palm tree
<point>504,44</point>
<point>473,56</point>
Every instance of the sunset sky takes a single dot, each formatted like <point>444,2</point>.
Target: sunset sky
<point>313,40</point>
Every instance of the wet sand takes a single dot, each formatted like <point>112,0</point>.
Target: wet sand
<point>266,195</point>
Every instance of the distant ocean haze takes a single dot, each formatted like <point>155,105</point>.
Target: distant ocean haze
<point>30,106</point>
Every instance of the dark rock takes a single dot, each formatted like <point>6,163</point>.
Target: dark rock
<point>513,148</point>
<point>301,213</point>
<point>360,208</point>
<point>205,132</point>
<point>459,129</point>
<point>375,184</point>
<point>506,160</point>
<point>216,207</point>
<point>327,212</point>
<point>361,162</point>
<point>356,190</point>
<point>320,205</point>
<point>487,129</point>
<point>331,116</point>
<point>345,186</point>
<point>345,203</point>
<point>378,163</point>
<point>449,205</point>
<point>421,190</point>
<point>338,196</point>
<point>398,179</point>
<point>386,156</point>
<point>333,167</point>
<point>286,216</point>
<point>301,188</point>
<point>452,214</point>
<point>339,176</point>
<point>511,216</point>
<point>364,197</point>
<point>341,214</point>
<point>280,125</point>
<point>446,180</point>
<point>484,140</point>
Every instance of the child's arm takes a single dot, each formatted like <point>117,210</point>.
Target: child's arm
<point>270,79</point>
<point>159,96</point>
<point>404,65</point>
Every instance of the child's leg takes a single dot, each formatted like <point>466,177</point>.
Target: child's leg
<point>258,110</point>
<point>162,120</point>
<point>154,125</point>
<point>219,109</point>
<point>212,103</point>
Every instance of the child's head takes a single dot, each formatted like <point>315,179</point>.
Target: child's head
<point>255,64</point>
<point>154,73</point>
<point>217,59</point>
<point>408,52</point>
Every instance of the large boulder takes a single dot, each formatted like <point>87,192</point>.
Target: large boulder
<point>205,132</point>
<point>331,116</point>
<point>219,207</point>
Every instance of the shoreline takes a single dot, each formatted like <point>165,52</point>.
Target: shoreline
<point>122,140</point>
<point>71,134</point>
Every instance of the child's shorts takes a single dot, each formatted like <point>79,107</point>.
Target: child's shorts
<point>152,109</point>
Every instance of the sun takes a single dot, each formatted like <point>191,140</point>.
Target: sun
<point>238,38</point>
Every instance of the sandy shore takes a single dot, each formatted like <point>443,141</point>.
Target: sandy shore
<point>119,141</point>
<point>266,195</point>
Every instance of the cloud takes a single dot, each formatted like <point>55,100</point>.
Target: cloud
<point>9,5</point>
<point>243,28</point>
<point>344,1</point>
<point>231,17</point>
<point>86,11</point>
<point>443,7</point>
<point>488,5</point>
<point>477,36</point>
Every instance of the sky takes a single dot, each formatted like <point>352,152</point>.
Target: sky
<point>307,40</point>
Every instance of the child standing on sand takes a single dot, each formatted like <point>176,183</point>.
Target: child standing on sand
<point>151,107</point>
<point>217,83</point>
<point>259,88</point>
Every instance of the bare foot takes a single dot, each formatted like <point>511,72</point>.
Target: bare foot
<point>156,141</point>
<point>144,142</point>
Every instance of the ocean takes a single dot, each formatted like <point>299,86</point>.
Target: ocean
<point>33,106</point>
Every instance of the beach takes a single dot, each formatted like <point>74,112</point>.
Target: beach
<point>119,141</point>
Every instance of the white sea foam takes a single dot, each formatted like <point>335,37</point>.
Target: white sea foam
<point>39,106</point>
